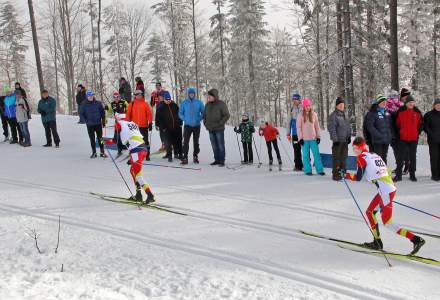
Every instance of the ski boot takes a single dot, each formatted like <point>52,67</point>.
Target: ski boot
<point>150,198</point>
<point>118,155</point>
<point>376,244</point>
<point>170,158</point>
<point>94,155</point>
<point>103,155</point>
<point>138,197</point>
<point>214,163</point>
<point>322,173</point>
<point>196,160</point>
<point>418,242</point>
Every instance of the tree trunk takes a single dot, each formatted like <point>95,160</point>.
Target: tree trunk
<point>173,37</point>
<point>57,86</point>
<point>195,46</point>
<point>327,72</point>
<point>222,51</point>
<point>93,47</point>
<point>101,84</point>
<point>319,66</point>
<point>435,38</point>
<point>394,59</point>
<point>36,46</point>
<point>340,80</point>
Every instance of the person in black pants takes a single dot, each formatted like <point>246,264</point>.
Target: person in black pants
<point>117,106</point>
<point>4,119</point>
<point>432,128</point>
<point>93,114</point>
<point>47,109</point>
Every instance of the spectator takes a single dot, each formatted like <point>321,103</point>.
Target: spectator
<point>23,113</point>
<point>167,119</point>
<point>380,128</point>
<point>246,129</point>
<point>340,134</point>
<point>292,135</point>
<point>93,115</point>
<point>10,113</point>
<point>140,85</point>
<point>155,95</point>
<point>47,110</point>
<point>139,112</point>
<point>215,118</point>
<point>393,105</point>
<point>365,132</point>
<point>22,91</point>
<point>309,137</point>
<point>125,89</point>
<point>80,98</point>
<point>432,129</point>
<point>4,119</point>
<point>409,125</point>
<point>191,113</point>
<point>117,106</point>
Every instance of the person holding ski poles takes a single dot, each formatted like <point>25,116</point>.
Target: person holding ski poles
<point>292,134</point>
<point>373,168</point>
<point>133,139</point>
<point>246,129</point>
<point>270,134</point>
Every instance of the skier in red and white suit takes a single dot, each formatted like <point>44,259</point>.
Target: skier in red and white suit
<point>131,136</point>
<point>373,168</point>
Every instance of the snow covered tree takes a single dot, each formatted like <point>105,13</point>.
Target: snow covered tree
<point>157,54</point>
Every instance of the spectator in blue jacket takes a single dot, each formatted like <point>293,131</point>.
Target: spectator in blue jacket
<point>292,135</point>
<point>47,109</point>
<point>379,126</point>
<point>191,113</point>
<point>10,114</point>
<point>93,114</point>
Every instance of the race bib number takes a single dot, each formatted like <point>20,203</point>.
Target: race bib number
<point>132,126</point>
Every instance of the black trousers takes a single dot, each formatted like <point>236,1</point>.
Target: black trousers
<point>187,132</point>
<point>15,130</point>
<point>297,155</point>
<point>144,132</point>
<point>434,154</point>
<point>269,150</point>
<point>381,150</point>
<point>173,141</point>
<point>50,128</point>
<point>92,130</point>
<point>117,140</point>
<point>5,125</point>
<point>407,149</point>
<point>247,152</point>
<point>339,156</point>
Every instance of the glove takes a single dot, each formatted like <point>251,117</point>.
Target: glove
<point>318,140</point>
<point>336,144</point>
<point>348,141</point>
<point>301,142</point>
<point>150,127</point>
<point>289,138</point>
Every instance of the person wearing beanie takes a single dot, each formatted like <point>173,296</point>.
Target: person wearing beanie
<point>23,114</point>
<point>168,122</point>
<point>404,92</point>
<point>379,126</point>
<point>246,129</point>
<point>10,114</point>
<point>409,123</point>
<point>117,106</point>
<point>191,112</point>
<point>432,128</point>
<point>339,128</point>
<point>393,105</point>
<point>140,85</point>
<point>365,132</point>
<point>125,89</point>
<point>4,118</point>
<point>309,137</point>
<point>139,112</point>
<point>93,114</point>
<point>291,130</point>
<point>47,109</point>
<point>215,118</point>
<point>374,169</point>
<point>80,98</point>
<point>270,135</point>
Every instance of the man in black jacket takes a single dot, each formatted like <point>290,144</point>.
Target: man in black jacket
<point>168,121</point>
<point>125,90</point>
<point>80,98</point>
<point>432,128</point>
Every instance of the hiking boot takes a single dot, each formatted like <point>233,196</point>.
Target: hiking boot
<point>13,142</point>
<point>94,155</point>
<point>221,164</point>
<point>309,174</point>
<point>322,173</point>
<point>418,242</point>
<point>376,244</point>
<point>170,159</point>
<point>47,145</point>
<point>184,162</point>
<point>412,177</point>
<point>103,155</point>
<point>196,160</point>
<point>271,162</point>
<point>214,163</point>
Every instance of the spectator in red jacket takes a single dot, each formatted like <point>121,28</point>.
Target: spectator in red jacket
<point>270,134</point>
<point>409,123</point>
<point>155,95</point>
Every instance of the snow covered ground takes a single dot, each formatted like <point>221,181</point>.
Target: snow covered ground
<point>239,240</point>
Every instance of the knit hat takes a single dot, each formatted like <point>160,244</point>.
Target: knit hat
<point>437,101</point>
<point>213,93</point>
<point>296,96</point>
<point>404,92</point>
<point>90,94</point>
<point>191,90</point>
<point>306,102</point>
<point>165,94</point>
<point>380,98</point>
<point>393,104</point>
<point>409,98</point>
<point>245,116</point>
<point>339,100</point>
<point>7,89</point>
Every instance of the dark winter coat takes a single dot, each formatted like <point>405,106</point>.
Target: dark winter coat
<point>125,91</point>
<point>216,115</point>
<point>167,116</point>
<point>2,104</point>
<point>80,97</point>
<point>92,112</point>
<point>119,107</point>
<point>409,123</point>
<point>47,107</point>
<point>431,126</point>
<point>246,129</point>
<point>379,126</point>
<point>339,127</point>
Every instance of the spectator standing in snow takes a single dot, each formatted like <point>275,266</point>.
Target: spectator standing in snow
<point>23,113</point>
<point>80,98</point>
<point>340,134</point>
<point>117,106</point>
<point>140,85</point>
<point>154,100</point>
<point>191,113</point>
<point>270,134</point>
<point>409,122</point>
<point>4,119</point>
<point>292,135</point>
<point>125,89</point>
<point>93,115</point>
<point>22,91</point>
<point>10,113</point>
<point>309,137</point>
<point>393,105</point>
<point>246,129</point>
<point>47,110</point>
<point>432,128</point>
<point>215,118</point>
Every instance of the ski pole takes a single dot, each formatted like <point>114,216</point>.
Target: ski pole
<point>360,211</point>
<point>172,167</point>
<point>416,209</point>
<point>239,149</point>
<point>256,150</point>
<point>120,173</point>
<point>285,151</point>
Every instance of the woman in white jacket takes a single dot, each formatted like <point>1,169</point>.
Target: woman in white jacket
<point>23,114</point>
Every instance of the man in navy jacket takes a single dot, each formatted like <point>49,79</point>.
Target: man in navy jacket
<point>92,112</point>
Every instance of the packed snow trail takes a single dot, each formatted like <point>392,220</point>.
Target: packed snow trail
<point>115,251</point>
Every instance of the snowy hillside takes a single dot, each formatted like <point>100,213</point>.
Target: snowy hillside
<point>240,239</point>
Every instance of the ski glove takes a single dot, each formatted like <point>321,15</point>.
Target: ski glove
<point>318,140</point>
<point>301,142</point>
<point>295,138</point>
<point>236,129</point>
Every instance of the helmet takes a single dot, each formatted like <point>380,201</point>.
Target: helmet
<point>120,117</point>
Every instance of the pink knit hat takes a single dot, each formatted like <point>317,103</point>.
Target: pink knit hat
<point>306,102</point>
<point>393,104</point>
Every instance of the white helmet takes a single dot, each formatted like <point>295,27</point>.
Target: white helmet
<point>120,117</point>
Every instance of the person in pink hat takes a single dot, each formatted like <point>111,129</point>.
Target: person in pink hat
<point>309,137</point>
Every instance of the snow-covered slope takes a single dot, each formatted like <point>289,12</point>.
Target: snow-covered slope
<point>239,240</point>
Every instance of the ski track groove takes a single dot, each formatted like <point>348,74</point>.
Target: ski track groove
<point>305,277</point>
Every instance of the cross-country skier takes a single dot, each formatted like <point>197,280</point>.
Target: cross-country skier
<point>375,170</point>
<point>132,137</point>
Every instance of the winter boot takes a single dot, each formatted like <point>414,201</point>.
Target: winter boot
<point>406,169</point>
<point>138,196</point>
<point>6,139</point>
<point>166,156</point>
<point>418,242</point>
<point>150,198</point>
<point>103,155</point>
<point>184,162</point>
<point>214,163</point>
<point>322,173</point>
<point>170,159</point>
<point>412,177</point>
<point>13,142</point>
<point>376,244</point>
<point>94,155</point>
<point>196,160</point>
<point>271,162</point>
<point>47,145</point>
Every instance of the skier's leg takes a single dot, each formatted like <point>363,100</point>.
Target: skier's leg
<point>277,150</point>
<point>317,157</point>
<point>371,215</point>
<point>136,170</point>
<point>250,151</point>
<point>245,152</point>
<point>269,151</point>
<point>306,157</point>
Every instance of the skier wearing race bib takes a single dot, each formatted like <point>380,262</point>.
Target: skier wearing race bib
<point>132,137</point>
<point>373,168</point>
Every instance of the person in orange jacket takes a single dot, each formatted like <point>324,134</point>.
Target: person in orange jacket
<point>139,112</point>
<point>270,134</point>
